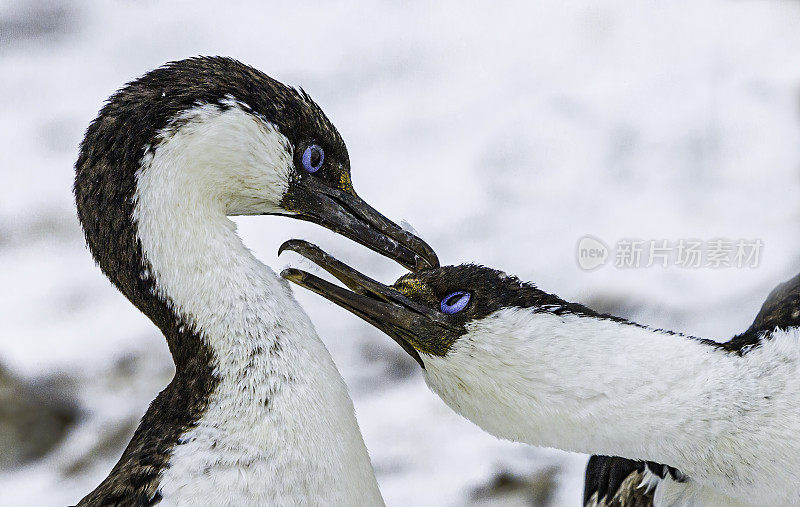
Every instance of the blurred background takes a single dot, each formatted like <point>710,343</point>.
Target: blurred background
<point>504,132</point>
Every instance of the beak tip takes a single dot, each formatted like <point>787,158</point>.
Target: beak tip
<point>294,245</point>
<point>428,262</point>
<point>292,274</point>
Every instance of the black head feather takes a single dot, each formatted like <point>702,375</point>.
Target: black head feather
<point>129,123</point>
<point>490,290</point>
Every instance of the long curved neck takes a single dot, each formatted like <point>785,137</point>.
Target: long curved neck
<point>209,278</point>
<point>279,403</point>
<point>600,386</point>
<point>199,264</point>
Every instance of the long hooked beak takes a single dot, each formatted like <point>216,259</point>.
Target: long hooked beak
<point>382,306</point>
<point>347,214</point>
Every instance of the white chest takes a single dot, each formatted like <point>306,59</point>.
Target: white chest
<point>283,435</point>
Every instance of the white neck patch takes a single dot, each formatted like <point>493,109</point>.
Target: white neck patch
<point>210,162</point>
<point>221,153</point>
<point>280,404</point>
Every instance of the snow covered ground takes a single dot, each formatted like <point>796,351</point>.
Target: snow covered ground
<point>503,132</point>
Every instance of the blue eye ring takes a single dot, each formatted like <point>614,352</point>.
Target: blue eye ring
<point>455,302</point>
<point>313,158</point>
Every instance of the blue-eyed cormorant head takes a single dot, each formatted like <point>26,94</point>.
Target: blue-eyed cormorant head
<point>213,133</point>
<point>425,312</point>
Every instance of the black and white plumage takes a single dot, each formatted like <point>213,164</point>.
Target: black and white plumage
<point>257,412</point>
<point>700,422</point>
<point>612,480</point>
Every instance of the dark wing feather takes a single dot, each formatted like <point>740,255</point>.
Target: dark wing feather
<point>781,310</point>
<point>614,481</point>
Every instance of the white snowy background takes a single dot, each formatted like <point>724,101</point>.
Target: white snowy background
<point>503,131</point>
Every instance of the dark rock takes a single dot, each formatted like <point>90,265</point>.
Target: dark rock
<point>508,489</point>
<point>33,419</point>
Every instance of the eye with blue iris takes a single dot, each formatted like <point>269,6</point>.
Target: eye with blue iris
<point>455,302</point>
<point>313,158</point>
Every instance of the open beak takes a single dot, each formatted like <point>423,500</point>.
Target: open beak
<point>347,214</point>
<point>404,320</point>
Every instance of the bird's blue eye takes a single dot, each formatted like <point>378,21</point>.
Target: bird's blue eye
<point>313,158</point>
<point>455,302</point>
